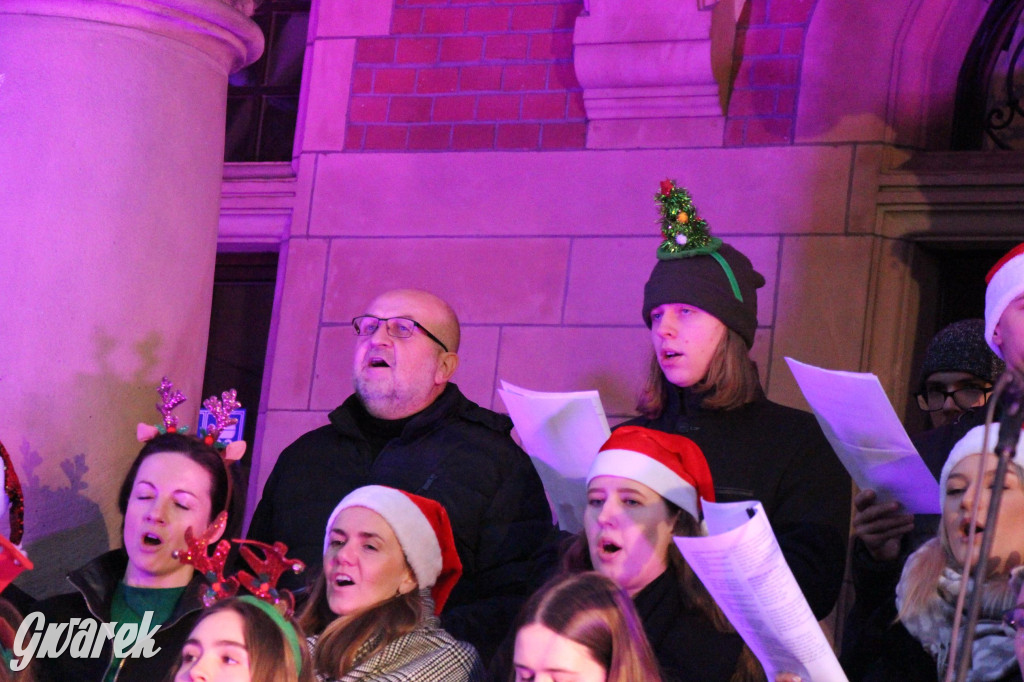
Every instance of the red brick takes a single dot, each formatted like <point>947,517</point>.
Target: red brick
<point>375,50</point>
<point>785,104</point>
<point>432,137</point>
<point>790,11</point>
<point>368,109</point>
<point>488,19</point>
<point>362,80</point>
<point>462,48</point>
<point>533,17</point>
<point>762,41</point>
<point>576,108</point>
<point>564,136</point>
<point>769,71</point>
<point>506,46</point>
<point>548,105</point>
<point>454,108</point>
<point>394,81</point>
<point>354,137</point>
<point>406,20</point>
<point>734,129</point>
<point>563,77</point>
<point>473,137</point>
<point>447,20</point>
<point>525,77</point>
<point>438,80</point>
<point>769,131</point>
<point>409,109</point>
<point>551,46</point>
<point>480,78</point>
<point>752,102</point>
<point>756,13</point>
<point>566,13</point>
<point>793,41</point>
<point>417,50</point>
<point>498,108</point>
<point>518,136</point>
<point>743,70</point>
<point>385,137</point>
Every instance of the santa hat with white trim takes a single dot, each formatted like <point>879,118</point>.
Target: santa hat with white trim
<point>670,465</point>
<point>423,530</point>
<point>1005,282</point>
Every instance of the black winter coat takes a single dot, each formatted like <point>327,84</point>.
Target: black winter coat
<point>779,456</point>
<point>454,452</point>
<point>688,648</point>
<point>95,584</point>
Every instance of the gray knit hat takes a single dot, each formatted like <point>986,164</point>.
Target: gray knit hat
<point>961,347</point>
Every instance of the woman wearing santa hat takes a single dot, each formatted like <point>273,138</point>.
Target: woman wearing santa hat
<point>389,565</point>
<point>644,487</point>
<point>700,304</point>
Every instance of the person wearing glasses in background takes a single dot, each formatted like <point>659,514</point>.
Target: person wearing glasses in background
<point>958,372</point>
<point>409,427</point>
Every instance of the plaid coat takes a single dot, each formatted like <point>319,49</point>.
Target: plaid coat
<point>427,654</point>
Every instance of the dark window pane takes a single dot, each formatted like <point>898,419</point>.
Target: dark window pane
<point>263,98</point>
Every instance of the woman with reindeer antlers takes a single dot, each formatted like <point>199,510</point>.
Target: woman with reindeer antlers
<point>177,482</point>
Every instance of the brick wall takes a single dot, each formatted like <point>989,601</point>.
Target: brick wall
<point>460,75</point>
<point>769,52</point>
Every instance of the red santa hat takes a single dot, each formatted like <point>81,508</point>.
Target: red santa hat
<point>670,465</point>
<point>423,530</point>
<point>1005,282</point>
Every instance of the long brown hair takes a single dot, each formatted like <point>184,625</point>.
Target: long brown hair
<point>343,644</point>
<point>732,380</point>
<point>594,612</point>
<point>696,598</point>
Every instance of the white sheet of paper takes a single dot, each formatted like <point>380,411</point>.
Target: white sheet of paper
<point>863,429</point>
<point>561,432</point>
<point>742,567</point>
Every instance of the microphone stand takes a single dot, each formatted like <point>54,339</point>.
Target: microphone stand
<point>1011,387</point>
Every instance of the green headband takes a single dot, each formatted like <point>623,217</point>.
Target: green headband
<point>287,628</point>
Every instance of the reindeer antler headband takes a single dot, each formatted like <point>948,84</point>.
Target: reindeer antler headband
<point>220,408</point>
<point>277,604</point>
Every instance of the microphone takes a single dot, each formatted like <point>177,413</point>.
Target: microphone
<point>1012,403</point>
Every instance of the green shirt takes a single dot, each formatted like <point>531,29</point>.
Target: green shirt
<point>130,606</point>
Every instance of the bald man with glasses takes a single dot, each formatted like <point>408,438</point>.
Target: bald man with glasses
<point>409,427</point>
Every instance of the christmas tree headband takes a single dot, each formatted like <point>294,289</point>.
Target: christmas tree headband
<point>685,233</point>
<point>279,605</point>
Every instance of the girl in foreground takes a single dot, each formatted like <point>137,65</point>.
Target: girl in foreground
<point>926,595</point>
<point>389,565</point>
<point>582,627</point>
<point>242,640</point>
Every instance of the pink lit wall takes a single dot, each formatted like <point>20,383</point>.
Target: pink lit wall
<point>544,253</point>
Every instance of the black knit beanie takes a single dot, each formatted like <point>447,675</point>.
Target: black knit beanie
<point>961,347</point>
<point>703,281</point>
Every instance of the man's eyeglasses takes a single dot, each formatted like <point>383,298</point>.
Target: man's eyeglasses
<point>397,327</point>
<point>933,399</point>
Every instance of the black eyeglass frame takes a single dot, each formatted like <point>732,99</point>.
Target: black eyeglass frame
<point>387,327</point>
<point>922,397</point>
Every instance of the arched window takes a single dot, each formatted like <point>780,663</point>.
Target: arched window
<point>988,112</point>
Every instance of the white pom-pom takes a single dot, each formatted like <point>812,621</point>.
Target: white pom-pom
<point>681,239</point>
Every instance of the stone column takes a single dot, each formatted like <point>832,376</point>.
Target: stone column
<point>111,153</point>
